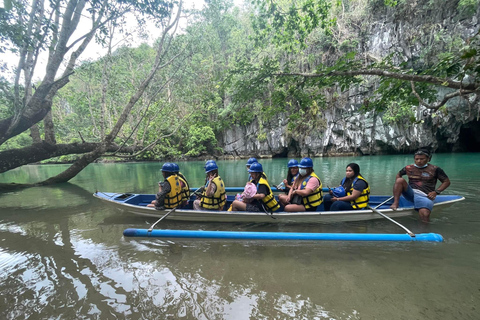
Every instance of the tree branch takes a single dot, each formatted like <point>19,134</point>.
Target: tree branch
<point>441,103</point>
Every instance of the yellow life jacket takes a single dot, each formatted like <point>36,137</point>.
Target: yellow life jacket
<point>315,198</point>
<point>185,189</point>
<point>174,198</point>
<point>218,200</point>
<point>362,201</point>
<point>269,199</point>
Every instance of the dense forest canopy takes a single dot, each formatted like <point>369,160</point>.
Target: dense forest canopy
<point>211,68</point>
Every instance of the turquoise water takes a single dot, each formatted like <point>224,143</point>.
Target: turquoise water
<point>63,256</point>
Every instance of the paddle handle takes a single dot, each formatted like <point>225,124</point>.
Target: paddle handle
<point>153,225</point>
<point>410,233</point>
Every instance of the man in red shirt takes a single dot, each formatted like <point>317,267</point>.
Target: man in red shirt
<point>422,180</point>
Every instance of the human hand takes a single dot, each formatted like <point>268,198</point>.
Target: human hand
<point>285,181</point>
<point>432,195</point>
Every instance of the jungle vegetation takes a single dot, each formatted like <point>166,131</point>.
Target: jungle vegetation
<point>210,68</point>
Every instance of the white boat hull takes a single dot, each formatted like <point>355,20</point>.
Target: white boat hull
<point>277,217</point>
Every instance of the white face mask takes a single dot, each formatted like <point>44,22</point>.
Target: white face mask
<point>421,166</point>
<point>302,171</point>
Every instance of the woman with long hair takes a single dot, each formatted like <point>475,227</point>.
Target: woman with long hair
<point>353,193</point>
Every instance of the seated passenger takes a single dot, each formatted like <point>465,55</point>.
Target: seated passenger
<point>306,192</point>
<point>287,183</point>
<point>213,195</point>
<point>264,199</point>
<point>169,194</point>
<point>356,192</point>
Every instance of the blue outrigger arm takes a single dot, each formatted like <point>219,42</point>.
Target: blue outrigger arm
<point>199,234</point>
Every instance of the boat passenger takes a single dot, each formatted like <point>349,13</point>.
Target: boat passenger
<point>183,184</point>
<point>169,194</point>
<point>354,194</point>
<point>213,195</point>
<point>287,183</point>
<point>263,200</point>
<point>306,192</point>
<point>422,180</point>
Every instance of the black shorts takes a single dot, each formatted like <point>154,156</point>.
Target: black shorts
<point>253,207</point>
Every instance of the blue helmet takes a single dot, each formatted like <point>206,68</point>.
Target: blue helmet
<point>256,167</point>
<point>339,192</point>
<point>292,163</point>
<point>306,163</point>
<point>168,167</point>
<point>250,161</point>
<point>176,168</point>
<point>209,161</point>
<point>210,166</point>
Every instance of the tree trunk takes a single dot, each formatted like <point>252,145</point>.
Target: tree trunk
<point>35,134</point>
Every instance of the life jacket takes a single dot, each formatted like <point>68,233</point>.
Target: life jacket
<point>218,200</point>
<point>174,198</point>
<point>362,201</point>
<point>185,189</point>
<point>315,198</point>
<point>269,199</point>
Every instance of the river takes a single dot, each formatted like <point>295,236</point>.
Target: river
<point>63,255</point>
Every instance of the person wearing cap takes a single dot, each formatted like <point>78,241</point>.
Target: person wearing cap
<point>183,184</point>
<point>169,194</point>
<point>353,193</point>
<point>422,180</point>
<point>287,183</point>
<point>213,195</point>
<point>263,199</point>
<point>306,192</point>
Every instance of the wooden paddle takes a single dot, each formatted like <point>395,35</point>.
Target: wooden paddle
<point>153,225</point>
<point>410,233</point>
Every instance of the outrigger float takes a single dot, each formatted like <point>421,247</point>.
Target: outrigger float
<point>241,235</point>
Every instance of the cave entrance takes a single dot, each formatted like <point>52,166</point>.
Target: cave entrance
<point>469,138</point>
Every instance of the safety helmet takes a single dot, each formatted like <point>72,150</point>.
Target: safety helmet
<point>255,167</point>
<point>176,168</point>
<point>168,167</point>
<point>209,161</point>
<point>210,166</point>
<point>306,163</point>
<point>250,161</point>
<point>339,192</point>
<point>292,163</point>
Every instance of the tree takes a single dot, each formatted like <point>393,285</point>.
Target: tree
<point>293,74</point>
<point>36,26</point>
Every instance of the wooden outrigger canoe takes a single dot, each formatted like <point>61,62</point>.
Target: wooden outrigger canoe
<point>137,205</point>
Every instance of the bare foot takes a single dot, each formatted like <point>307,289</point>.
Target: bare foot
<point>394,206</point>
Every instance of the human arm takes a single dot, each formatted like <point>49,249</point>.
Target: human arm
<point>212,187</point>
<point>445,183</point>
<point>312,185</point>
<point>261,192</point>
<point>355,194</point>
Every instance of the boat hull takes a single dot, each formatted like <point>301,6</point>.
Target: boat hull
<point>136,204</point>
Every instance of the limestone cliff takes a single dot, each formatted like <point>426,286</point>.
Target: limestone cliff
<point>348,131</point>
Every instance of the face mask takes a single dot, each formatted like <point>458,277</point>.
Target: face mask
<point>302,171</point>
<point>420,167</point>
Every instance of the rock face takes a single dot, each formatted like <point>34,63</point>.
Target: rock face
<point>349,131</point>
